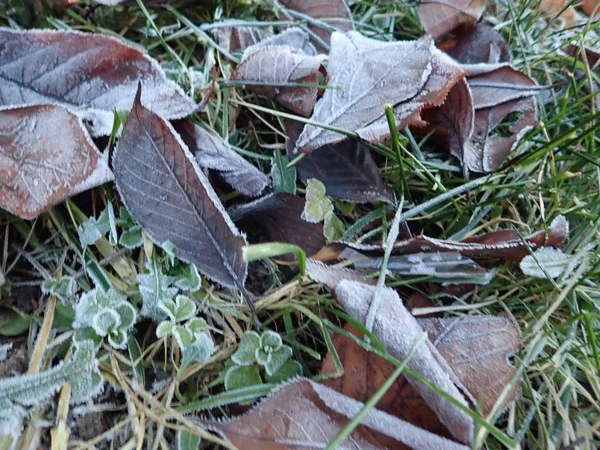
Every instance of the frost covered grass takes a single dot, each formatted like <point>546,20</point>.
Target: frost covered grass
<point>553,171</point>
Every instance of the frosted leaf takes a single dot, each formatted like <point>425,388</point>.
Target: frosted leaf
<point>399,331</point>
<point>215,154</point>
<point>4,349</point>
<point>546,262</point>
<point>246,352</point>
<point>189,279</point>
<point>329,275</point>
<point>182,336</point>
<point>277,359</point>
<point>89,232</point>
<point>270,339</point>
<point>118,338</point>
<point>46,154</point>
<point>185,308</point>
<point>272,71</point>
<point>284,177</point>
<point>132,238</point>
<point>94,301</point>
<point>409,75</point>
<point>90,73</point>
<point>262,357</point>
<point>317,204</point>
<point>64,289</point>
<point>290,369</point>
<point>197,325</point>
<point>304,414</point>
<point>127,314</point>
<point>186,440</point>
<point>169,308</point>
<point>164,329</point>
<point>234,34</point>
<point>440,18</point>
<point>292,37</point>
<point>198,351</point>
<point>105,320</point>
<point>238,377</point>
<point>156,290</point>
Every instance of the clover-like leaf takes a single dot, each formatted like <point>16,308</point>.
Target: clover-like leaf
<point>317,204</point>
<point>183,336</point>
<point>170,309</point>
<point>269,340</point>
<point>197,325</point>
<point>87,334</point>
<point>189,279</point>
<point>289,369</point>
<point>198,351</point>
<point>105,321</point>
<point>118,339</point>
<point>185,308</point>
<point>132,238</point>
<point>263,357</point>
<point>63,289</point>
<point>246,352</point>
<point>155,289</point>
<point>333,227</point>
<point>277,359</point>
<point>238,377</point>
<point>89,232</point>
<point>164,329</point>
<point>127,315</point>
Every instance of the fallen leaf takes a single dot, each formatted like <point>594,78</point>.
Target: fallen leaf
<point>334,13</point>
<point>273,71</point>
<point>330,276</point>
<point>166,192</point>
<point>504,245</point>
<point>292,37</point>
<point>480,44</point>
<point>94,75</point>
<point>453,122</point>
<point>279,216</point>
<point>409,75</point>
<point>589,58</point>
<point>399,332</point>
<point>441,17</point>
<point>346,169</point>
<point>234,34</point>
<point>591,7</point>
<point>214,153</point>
<point>46,156</point>
<point>306,415</point>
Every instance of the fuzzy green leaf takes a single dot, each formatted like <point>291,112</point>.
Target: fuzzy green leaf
<point>289,369</point>
<point>197,325</point>
<point>118,338</point>
<point>189,280</point>
<point>317,204</point>
<point>164,329</point>
<point>246,352</point>
<point>198,351</point>
<point>284,177</point>
<point>186,440</point>
<point>238,377</point>
<point>155,289</point>
<point>132,238</point>
<point>105,321</point>
<point>333,227</point>
<point>63,289</point>
<point>277,359</point>
<point>182,336</point>
<point>184,308</point>
<point>269,340</point>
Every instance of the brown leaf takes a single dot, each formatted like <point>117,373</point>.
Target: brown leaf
<point>279,216</point>
<point>167,193</point>
<point>330,276</point>
<point>233,34</point>
<point>480,44</point>
<point>503,245</point>
<point>46,156</point>
<point>441,17</point>
<point>453,122</point>
<point>346,169</point>
<point>214,153</point>
<point>92,74</point>
<point>334,13</point>
<point>269,71</point>
<point>408,75</point>
<point>590,59</point>
<point>401,335</point>
<point>591,7</point>
<point>306,415</point>
<point>292,37</point>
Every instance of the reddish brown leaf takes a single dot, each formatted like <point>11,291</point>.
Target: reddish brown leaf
<point>234,35</point>
<point>92,74</point>
<point>334,13</point>
<point>292,37</point>
<point>279,216</point>
<point>171,198</point>
<point>441,17</point>
<point>591,7</point>
<point>480,44</point>
<point>269,69</point>
<point>408,75</point>
<point>215,154</point>
<point>590,59</point>
<point>504,245</point>
<point>306,415</point>
<point>46,156</point>
<point>346,169</point>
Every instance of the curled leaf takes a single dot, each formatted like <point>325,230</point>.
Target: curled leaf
<point>480,44</point>
<point>46,156</point>
<point>272,71</point>
<point>234,34</point>
<point>215,154</point>
<point>441,17</point>
<point>169,196</point>
<point>409,75</point>
<point>92,74</point>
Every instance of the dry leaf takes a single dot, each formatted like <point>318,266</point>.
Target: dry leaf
<point>590,7</point>
<point>46,156</point>
<point>504,245</point>
<point>480,44</point>
<point>306,415</point>
<point>214,153</point>
<point>589,58</point>
<point>269,70</point>
<point>441,17</point>
<point>453,122</point>
<point>279,217</point>
<point>399,332</point>
<point>346,169</point>
<point>234,34</point>
<point>330,276</point>
<point>89,73</point>
<point>409,75</point>
<point>334,13</point>
<point>167,193</point>
<point>292,37</point>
